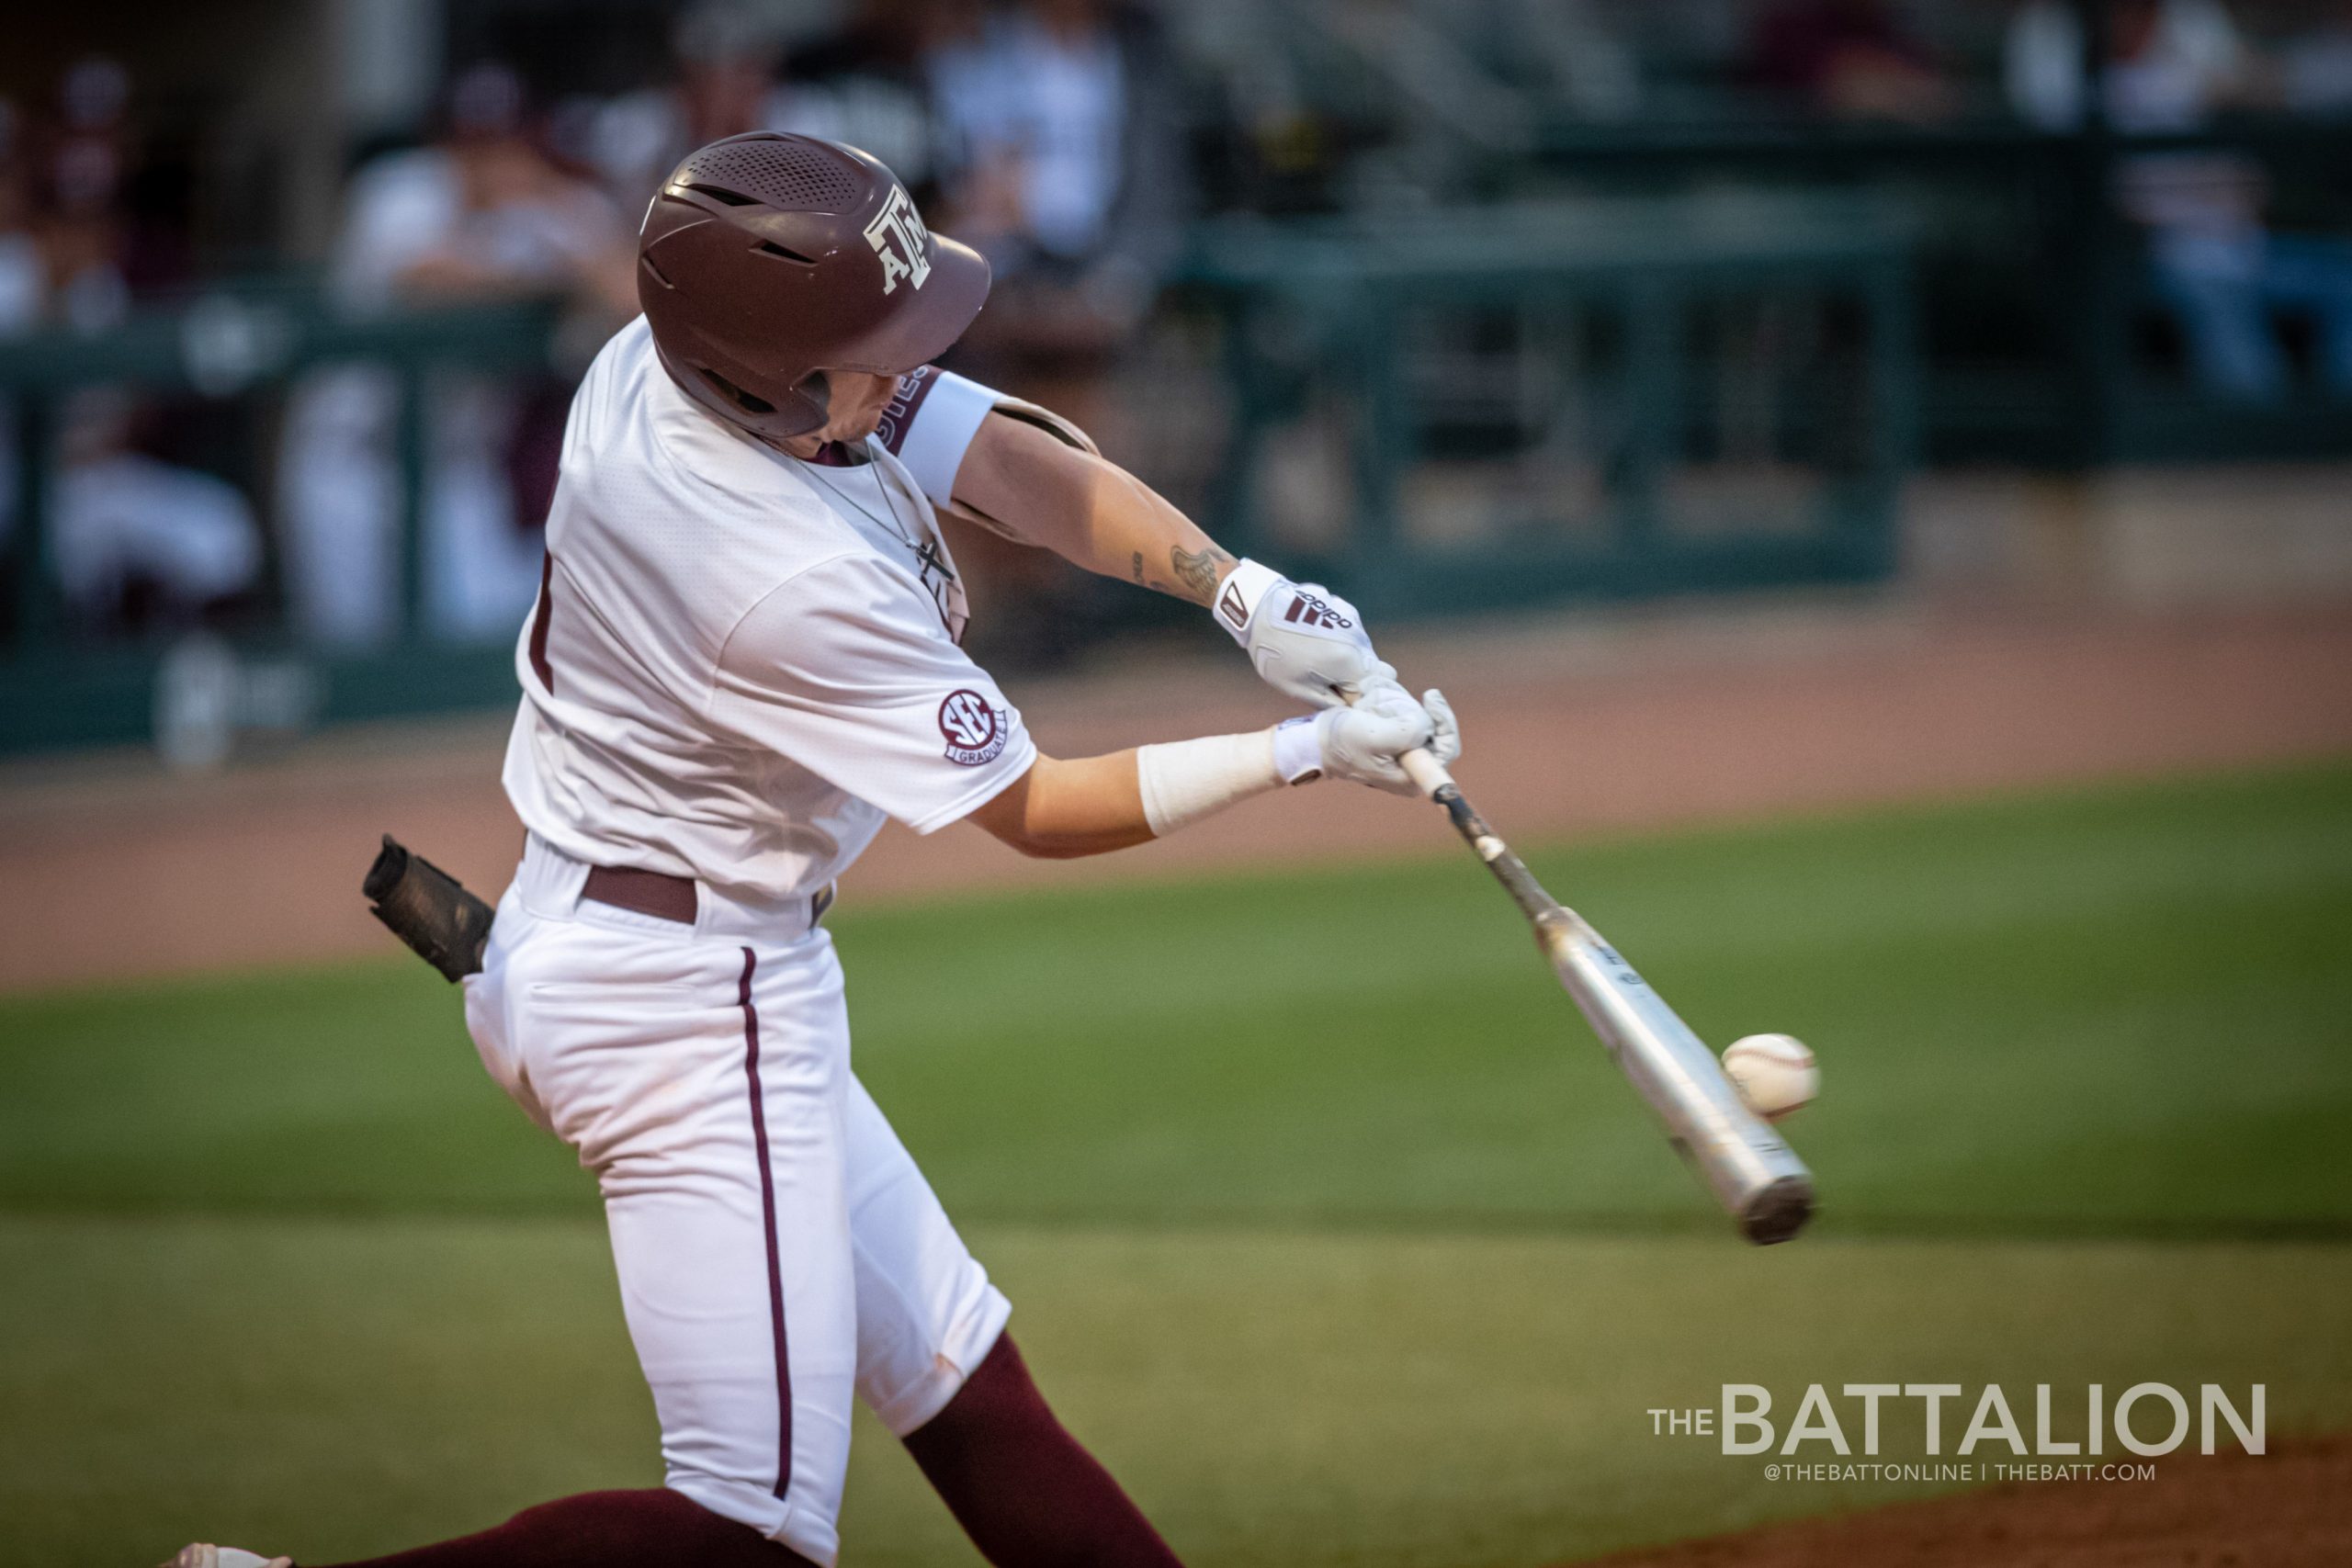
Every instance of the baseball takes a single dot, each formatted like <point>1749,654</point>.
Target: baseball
<point>1774,1073</point>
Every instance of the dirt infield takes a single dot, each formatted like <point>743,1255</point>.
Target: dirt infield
<point>2283,1510</point>
<point>1576,725</point>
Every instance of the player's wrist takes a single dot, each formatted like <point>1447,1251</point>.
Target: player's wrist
<point>1303,639</point>
<point>1298,750</point>
<point>1181,782</point>
<point>1245,587</point>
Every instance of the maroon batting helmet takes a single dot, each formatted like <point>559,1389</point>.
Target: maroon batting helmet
<point>767,259</point>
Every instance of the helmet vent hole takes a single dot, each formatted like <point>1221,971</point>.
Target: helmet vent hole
<point>770,248</point>
<point>786,173</point>
<point>646,261</point>
<point>735,394</point>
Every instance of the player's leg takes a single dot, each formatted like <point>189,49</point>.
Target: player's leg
<point>937,1367</point>
<point>722,1159</point>
<point>2314,274</point>
<point>654,1528</point>
<point>2213,285</point>
<point>704,1083</point>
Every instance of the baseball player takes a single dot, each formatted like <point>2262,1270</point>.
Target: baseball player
<point>743,658</point>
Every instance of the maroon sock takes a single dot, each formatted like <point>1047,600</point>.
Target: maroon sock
<point>653,1529</point>
<point>1022,1487</point>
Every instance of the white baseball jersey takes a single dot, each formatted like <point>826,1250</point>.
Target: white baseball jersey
<point>741,663</point>
<point>738,664</point>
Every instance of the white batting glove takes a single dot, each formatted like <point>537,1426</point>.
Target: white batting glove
<point>1446,745</point>
<point>1362,743</point>
<point>1305,641</point>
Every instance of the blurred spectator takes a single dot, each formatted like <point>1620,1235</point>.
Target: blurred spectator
<point>80,222</point>
<point>73,248</point>
<point>24,281</point>
<point>1270,140</point>
<point>138,544</point>
<point>889,44</point>
<point>1071,178</point>
<point>1565,47</point>
<point>2171,63</point>
<point>2315,67</point>
<point>24,290</point>
<point>1853,59</point>
<point>481,214</point>
<point>142,544</point>
<point>2171,66</point>
<point>734,75</point>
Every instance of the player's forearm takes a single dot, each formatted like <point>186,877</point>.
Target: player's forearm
<point>1029,484</point>
<point>1134,533</point>
<point>1032,487</point>
<point>1090,806</point>
<point>1066,808</point>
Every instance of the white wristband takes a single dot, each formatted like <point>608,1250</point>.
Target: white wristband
<point>1184,781</point>
<point>1298,750</point>
<point>1245,586</point>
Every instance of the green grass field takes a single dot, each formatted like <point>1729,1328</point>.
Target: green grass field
<point>1322,1215</point>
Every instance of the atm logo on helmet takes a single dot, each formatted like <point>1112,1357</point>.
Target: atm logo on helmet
<point>898,237</point>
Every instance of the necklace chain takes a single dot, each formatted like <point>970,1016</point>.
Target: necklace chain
<point>817,472</point>
<point>931,552</point>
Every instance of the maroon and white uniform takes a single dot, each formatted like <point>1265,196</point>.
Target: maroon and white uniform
<point>741,664</point>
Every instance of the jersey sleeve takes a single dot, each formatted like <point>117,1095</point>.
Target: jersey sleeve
<point>929,424</point>
<point>847,670</point>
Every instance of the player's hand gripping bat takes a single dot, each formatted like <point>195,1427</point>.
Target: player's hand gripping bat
<point>1753,1173</point>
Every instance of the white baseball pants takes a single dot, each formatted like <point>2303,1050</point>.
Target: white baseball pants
<point>777,1247</point>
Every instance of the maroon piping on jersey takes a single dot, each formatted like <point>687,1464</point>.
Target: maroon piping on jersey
<point>767,1216</point>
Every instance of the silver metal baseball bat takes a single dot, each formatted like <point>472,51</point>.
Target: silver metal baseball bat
<point>1753,1173</point>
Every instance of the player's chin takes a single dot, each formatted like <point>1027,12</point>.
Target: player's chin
<point>852,429</point>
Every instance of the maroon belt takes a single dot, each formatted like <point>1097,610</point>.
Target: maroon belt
<point>661,895</point>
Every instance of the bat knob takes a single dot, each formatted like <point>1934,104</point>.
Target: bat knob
<point>1777,1210</point>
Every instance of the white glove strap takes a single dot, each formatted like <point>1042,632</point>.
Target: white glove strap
<point>1184,781</point>
<point>1245,587</point>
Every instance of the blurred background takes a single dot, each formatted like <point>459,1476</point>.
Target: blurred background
<point>1875,477</point>
<point>1458,305</point>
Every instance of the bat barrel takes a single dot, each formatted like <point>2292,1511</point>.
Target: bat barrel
<point>1755,1175</point>
<point>1753,1172</point>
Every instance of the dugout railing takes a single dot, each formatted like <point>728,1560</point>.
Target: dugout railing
<point>2044,340</point>
<point>1580,398</point>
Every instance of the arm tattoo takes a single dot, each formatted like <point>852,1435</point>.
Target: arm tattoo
<point>1197,572</point>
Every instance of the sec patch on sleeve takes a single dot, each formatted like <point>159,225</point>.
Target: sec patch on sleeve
<point>976,732</point>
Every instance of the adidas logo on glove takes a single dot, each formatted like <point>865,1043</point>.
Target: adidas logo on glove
<point>1308,610</point>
